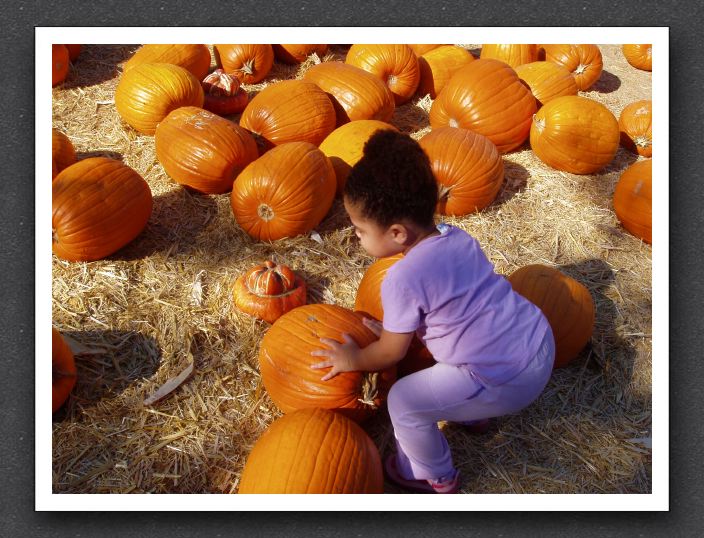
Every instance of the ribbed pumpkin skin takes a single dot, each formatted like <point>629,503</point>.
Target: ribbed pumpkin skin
<point>583,61</point>
<point>289,111</point>
<point>295,54</point>
<point>355,93</point>
<point>194,58</point>
<point>575,134</point>
<point>284,193</point>
<point>635,123</point>
<point>639,56</point>
<point>547,80</point>
<point>437,67</point>
<point>59,64</point>
<point>62,152</point>
<point>420,49</point>
<point>268,291</point>
<point>63,370</point>
<point>202,150</point>
<point>487,97</point>
<point>99,205</point>
<point>513,55</point>
<point>633,197</point>
<point>395,65</point>
<point>313,451</point>
<point>148,92</point>
<point>567,305</point>
<point>249,63</point>
<point>345,145</point>
<point>285,359</point>
<point>467,167</point>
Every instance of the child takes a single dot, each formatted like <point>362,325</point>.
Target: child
<point>494,349</point>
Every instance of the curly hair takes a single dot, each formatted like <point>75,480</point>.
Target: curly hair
<point>393,181</point>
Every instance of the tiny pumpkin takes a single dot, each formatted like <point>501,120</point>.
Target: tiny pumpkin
<point>223,94</point>
<point>633,197</point>
<point>63,370</point>
<point>514,55</point>
<point>250,63</point>
<point>59,64</point>
<point>194,58</point>
<point>296,54</point>
<point>639,56</point>
<point>583,61</point>
<point>635,123</point>
<point>63,153</point>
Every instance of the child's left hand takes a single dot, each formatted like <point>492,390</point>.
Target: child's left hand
<point>341,357</point>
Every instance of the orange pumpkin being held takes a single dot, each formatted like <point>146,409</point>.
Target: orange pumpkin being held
<point>268,291</point>
<point>223,94</point>
<point>63,370</point>
<point>633,199</point>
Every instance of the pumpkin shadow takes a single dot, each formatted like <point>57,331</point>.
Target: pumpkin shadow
<point>410,117</point>
<point>607,83</point>
<point>96,64</point>
<point>515,181</point>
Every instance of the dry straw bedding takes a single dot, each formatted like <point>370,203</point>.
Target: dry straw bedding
<point>165,300</point>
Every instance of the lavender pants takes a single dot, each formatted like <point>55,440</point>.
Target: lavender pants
<point>450,392</point>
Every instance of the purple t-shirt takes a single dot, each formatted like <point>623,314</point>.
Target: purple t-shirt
<point>445,289</point>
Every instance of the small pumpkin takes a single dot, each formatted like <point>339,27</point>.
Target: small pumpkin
<point>514,55</point>
<point>567,305</point>
<point>99,205</point>
<point>575,134</point>
<point>63,154</point>
<point>437,67</point>
<point>284,193</point>
<point>395,65</point>
<point>269,290</point>
<point>73,52</point>
<point>639,56</point>
<point>285,359</point>
<point>223,94</point>
<point>249,63</point>
<point>467,166</point>
<point>59,64</point>
<point>296,54</point>
<point>148,92</point>
<point>547,80</point>
<point>635,124</point>
<point>583,61</point>
<point>63,370</point>
<point>633,199</point>
<point>194,58</point>
<point>313,451</point>
<point>203,151</point>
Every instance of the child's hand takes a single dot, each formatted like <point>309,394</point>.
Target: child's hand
<point>373,325</point>
<point>341,357</point>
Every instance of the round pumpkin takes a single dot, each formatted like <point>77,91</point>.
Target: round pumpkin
<point>420,49</point>
<point>395,65</point>
<point>284,193</point>
<point>513,55</point>
<point>249,63</point>
<point>567,305</point>
<point>194,58</point>
<point>289,111</point>
<point>202,150</point>
<point>575,134</point>
<point>355,93</point>
<point>467,166</point>
<point>547,80</point>
<point>487,97</point>
<point>63,154</point>
<point>313,451</point>
<point>296,54</point>
<point>437,67</point>
<point>633,199</point>
<point>345,145</point>
<point>63,370</point>
<point>583,61</point>
<point>269,290</point>
<point>639,56</point>
<point>59,64</point>
<point>148,92</point>
<point>98,206</point>
<point>285,359</point>
<point>635,124</point>
<point>223,94</point>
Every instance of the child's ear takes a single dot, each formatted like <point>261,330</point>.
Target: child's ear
<point>399,233</point>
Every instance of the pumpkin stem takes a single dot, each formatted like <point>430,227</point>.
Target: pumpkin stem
<point>370,391</point>
<point>391,80</point>
<point>265,212</point>
<point>444,191</point>
<point>54,238</point>
<point>539,123</point>
<point>642,141</point>
<point>247,67</point>
<point>453,123</point>
<point>581,68</point>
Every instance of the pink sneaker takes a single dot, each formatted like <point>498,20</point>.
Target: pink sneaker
<point>440,485</point>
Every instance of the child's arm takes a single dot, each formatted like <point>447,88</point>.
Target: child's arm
<point>348,357</point>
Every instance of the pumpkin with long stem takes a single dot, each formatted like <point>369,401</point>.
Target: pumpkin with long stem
<point>223,94</point>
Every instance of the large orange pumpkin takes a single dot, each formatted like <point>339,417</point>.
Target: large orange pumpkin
<point>395,65</point>
<point>486,96</point>
<point>467,166</point>
<point>583,61</point>
<point>355,93</point>
<point>296,54</point>
<point>635,123</point>
<point>148,92</point>
<point>513,55</point>
<point>284,193</point>
<point>437,67</point>
<point>249,63</point>
<point>285,359</point>
<point>288,111</point>
<point>639,56</point>
<point>268,291</point>
<point>99,205</point>
<point>633,199</point>
<point>567,305</point>
<point>59,64</point>
<point>62,152</point>
<point>202,150</point>
<point>547,80</point>
<point>313,451</point>
<point>575,134</point>
<point>194,58</point>
<point>63,370</point>
<point>345,145</point>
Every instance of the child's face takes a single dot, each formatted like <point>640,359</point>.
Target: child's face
<point>377,241</point>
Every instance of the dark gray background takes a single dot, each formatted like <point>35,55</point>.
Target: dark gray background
<point>17,250</point>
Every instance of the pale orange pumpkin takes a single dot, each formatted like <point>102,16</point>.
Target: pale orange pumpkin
<point>296,54</point>
<point>633,197</point>
<point>639,56</point>
<point>635,123</point>
<point>194,58</point>
<point>514,55</point>
<point>437,67</point>
<point>63,154</point>
<point>547,80</point>
<point>583,61</point>
<point>249,63</point>
<point>63,370</point>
